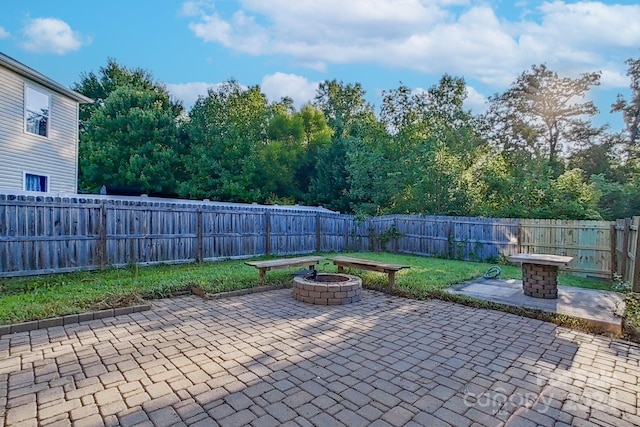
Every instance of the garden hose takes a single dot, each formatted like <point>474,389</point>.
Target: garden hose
<point>492,273</point>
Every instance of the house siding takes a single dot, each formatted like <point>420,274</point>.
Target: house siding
<point>20,151</point>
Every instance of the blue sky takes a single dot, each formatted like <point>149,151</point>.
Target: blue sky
<point>288,46</point>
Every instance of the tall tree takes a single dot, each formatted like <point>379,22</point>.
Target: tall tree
<point>225,130</point>
<point>132,123</point>
<point>344,107</point>
<point>130,144</point>
<point>631,109</point>
<point>349,117</point>
<point>543,110</point>
<point>418,166</point>
<point>109,78</point>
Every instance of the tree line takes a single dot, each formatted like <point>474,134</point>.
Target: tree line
<point>534,154</point>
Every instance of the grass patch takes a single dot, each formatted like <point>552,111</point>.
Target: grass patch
<point>33,298</point>
<point>428,275</point>
<point>632,316</point>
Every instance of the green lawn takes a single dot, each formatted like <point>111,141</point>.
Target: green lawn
<point>32,298</point>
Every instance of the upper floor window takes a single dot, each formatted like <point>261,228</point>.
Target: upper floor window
<point>37,110</point>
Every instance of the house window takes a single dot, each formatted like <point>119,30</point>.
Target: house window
<point>33,182</point>
<point>37,108</point>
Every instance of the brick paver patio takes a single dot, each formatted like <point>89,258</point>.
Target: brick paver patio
<point>268,360</point>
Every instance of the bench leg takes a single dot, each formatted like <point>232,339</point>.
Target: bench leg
<point>263,272</point>
<point>340,269</point>
<point>392,279</point>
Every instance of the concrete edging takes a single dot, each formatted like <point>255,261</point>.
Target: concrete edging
<point>70,319</point>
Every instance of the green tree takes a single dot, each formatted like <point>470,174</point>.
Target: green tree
<point>350,118</point>
<point>280,156</point>
<point>599,156</point>
<point>541,111</point>
<point>631,109</point>
<point>130,142</point>
<point>418,165</point>
<point>317,137</point>
<point>132,129</point>
<point>112,76</point>
<point>570,196</point>
<point>225,129</point>
<point>344,107</point>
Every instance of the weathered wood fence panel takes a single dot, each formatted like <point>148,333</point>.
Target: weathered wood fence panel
<point>40,235</point>
<point>627,250</point>
<point>479,239</point>
<point>428,236</point>
<point>334,232</point>
<point>471,239</point>
<point>293,233</point>
<point>43,237</point>
<point>228,233</point>
<point>588,242</point>
<point>150,234</point>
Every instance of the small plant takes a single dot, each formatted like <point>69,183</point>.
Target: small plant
<point>631,319</point>
<point>502,259</point>
<point>620,285</point>
<point>390,234</point>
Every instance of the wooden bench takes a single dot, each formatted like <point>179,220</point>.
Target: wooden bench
<point>275,264</point>
<point>366,264</point>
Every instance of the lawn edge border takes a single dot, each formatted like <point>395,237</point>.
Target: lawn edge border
<point>69,319</point>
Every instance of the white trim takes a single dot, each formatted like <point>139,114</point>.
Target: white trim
<point>24,181</point>
<point>33,75</point>
<point>76,141</point>
<point>43,91</point>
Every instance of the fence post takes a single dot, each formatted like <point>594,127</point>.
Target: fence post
<point>318,236</point>
<point>267,232</point>
<point>635,279</point>
<point>345,245</point>
<point>396,243</point>
<point>450,243</point>
<point>199,234</point>
<point>102,243</point>
<point>625,248</point>
<point>519,237</point>
<point>612,248</point>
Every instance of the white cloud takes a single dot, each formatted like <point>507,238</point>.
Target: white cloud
<point>475,101</point>
<point>3,33</point>
<point>189,93</point>
<point>51,35</point>
<point>279,85</point>
<point>435,37</point>
<point>275,87</point>
<point>194,7</point>
<point>612,79</point>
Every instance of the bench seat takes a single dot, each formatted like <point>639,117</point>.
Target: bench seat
<point>275,264</point>
<point>366,264</point>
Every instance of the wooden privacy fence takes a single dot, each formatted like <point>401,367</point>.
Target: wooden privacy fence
<point>472,239</point>
<point>588,242</point>
<point>489,239</point>
<point>627,249</point>
<point>40,235</point>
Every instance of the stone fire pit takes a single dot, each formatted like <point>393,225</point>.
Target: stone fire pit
<point>327,289</point>
<point>540,273</point>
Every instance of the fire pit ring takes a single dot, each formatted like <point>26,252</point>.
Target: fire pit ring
<point>327,289</point>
